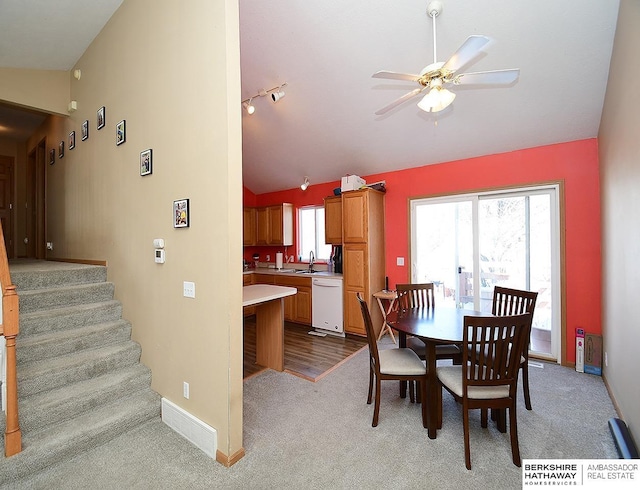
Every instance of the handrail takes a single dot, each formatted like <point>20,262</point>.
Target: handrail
<point>9,328</point>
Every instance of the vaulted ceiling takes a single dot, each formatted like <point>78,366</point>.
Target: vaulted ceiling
<point>326,52</point>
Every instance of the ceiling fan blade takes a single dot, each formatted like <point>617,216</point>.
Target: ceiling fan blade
<point>399,101</point>
<point>395,76</point>
<point>495,77</point>
<point>469,50</point>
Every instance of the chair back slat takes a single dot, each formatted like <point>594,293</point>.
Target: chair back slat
<point>415,296</point>
<point>488,358</point>
<point>507,301</point>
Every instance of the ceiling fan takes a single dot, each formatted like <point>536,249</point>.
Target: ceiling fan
<point>436,76</point>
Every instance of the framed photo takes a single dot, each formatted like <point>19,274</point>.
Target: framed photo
<point>85,129</point>
<point>181,213</point>
<point>52,156</point>
<point>121,134</point>
<point>146,164</point>
<point>61,149</point>
<point>72,140</point>
<point>101,118</point>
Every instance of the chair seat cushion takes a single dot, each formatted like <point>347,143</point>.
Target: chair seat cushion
<point>401,361</point>
<point>451,377</point>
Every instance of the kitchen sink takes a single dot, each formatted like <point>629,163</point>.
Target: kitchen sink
<point>306,271</point>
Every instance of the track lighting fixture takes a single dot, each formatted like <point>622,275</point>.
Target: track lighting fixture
<point>249,107</point>
<point>305,184</point>
<point>276,94</point>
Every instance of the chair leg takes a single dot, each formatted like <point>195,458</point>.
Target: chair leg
<point>412,398</point>
<point>513,426</point>
<point>525,384</point>
<point>370,386</point>
<point>483,417</point>
<point>423,400</point>
<point>465,424</point>
<point>376,408</point>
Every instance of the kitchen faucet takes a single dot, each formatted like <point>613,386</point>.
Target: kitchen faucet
<point>311,260</point>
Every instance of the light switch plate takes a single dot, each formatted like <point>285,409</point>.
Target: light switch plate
<point>189,289</point>
<point>399,260</point>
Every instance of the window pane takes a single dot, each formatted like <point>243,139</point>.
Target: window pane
<point>311,234</point>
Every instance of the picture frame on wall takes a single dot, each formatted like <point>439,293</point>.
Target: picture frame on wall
<point>101,118</point>
<point>121,134</point>
<point>52,156</point>
<point>85,129</point>
<point>72,140</point>
<point>181,213</point>
<point>61,149</point>
<point>146,163</point>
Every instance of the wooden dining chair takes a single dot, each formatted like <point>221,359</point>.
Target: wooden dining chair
<point>507,301</point>
<point>422,296</point>
<point>488,376</point>
<point>397,364</point>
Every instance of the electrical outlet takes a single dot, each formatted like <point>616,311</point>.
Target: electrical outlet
<point>189,289</point>
<point>268,258</point>
<point>606,360</point>
<point>185,390</point>
<point>49,245</point>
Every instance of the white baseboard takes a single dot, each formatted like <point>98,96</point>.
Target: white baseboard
<point>191,428</point>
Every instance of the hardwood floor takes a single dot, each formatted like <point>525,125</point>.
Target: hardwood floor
<point>307,356</point>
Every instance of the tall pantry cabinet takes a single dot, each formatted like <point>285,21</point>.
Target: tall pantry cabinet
<point>363,255</point>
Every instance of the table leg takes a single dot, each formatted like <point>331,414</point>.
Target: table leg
<point>434,415</point>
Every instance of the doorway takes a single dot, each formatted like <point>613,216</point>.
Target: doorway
<point>6,202</point>
<point>468,244</point>
<point>35,202</point>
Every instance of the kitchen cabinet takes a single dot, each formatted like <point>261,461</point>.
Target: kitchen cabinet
<point>249,226</point>
<point>297,308</point>
<point>363,255</point>
<point>274,225</point>
<point>333,220</point>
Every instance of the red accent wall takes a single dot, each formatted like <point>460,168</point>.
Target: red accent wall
<point>574,163</point>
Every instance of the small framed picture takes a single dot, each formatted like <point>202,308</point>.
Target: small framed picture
<point>121,133</point>
<point>61,149</point>
<point>181,213</point>
<point>72,140</point>
<point>85,129</point>
<point>146,164</point>
<point>52,156</point>
<point>101,118</point>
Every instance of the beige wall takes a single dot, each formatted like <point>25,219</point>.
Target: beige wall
<point>46,90</point>
<point>619,146</point>
<point>172,71</point>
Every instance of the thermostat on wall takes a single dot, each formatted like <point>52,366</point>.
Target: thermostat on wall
<point>159,256</point>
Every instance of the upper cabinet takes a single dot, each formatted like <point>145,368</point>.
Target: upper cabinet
<point>249,226</point>
<point>274,225</point>
<point>333,220</point>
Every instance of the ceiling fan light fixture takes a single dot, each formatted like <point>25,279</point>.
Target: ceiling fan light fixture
<point>436,100</point>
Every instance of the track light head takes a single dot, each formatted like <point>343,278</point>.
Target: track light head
<point>249,107</point>
<point>276,96</point>
<point>305,184</point>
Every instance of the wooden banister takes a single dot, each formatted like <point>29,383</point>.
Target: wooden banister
<point>9,328</point>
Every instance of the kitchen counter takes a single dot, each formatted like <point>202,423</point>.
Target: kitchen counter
<point>292,272</point>
<point>261,293</point>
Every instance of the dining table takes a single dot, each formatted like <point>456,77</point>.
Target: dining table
<point>434,326</point>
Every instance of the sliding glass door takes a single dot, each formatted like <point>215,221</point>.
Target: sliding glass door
<point>469,244</point>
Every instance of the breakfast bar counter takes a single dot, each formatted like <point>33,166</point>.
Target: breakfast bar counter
<point>268,300</point>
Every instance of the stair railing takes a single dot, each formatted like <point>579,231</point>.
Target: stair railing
<point>9,329</point>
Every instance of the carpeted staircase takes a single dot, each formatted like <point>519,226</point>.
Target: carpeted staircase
<point>80,382</point>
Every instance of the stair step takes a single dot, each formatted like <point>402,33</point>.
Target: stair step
<point>42,299</point>
<point>26,274</point>
<point>52,407</point>
<point>49,320</point>
<point>64,441</point>
<point>48,345</point>
<point>52,373</point>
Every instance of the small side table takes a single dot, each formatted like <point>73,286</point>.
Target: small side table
<point>390,298</point>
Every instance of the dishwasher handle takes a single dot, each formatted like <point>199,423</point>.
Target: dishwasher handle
<point>327,283</point>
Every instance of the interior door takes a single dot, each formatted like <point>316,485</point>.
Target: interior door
<point>6,202</point>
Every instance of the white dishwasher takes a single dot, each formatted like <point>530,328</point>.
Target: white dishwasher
<point>326,306</point>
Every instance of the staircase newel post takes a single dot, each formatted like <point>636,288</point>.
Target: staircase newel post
<point>13,435</point>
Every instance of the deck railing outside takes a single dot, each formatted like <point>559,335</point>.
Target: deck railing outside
<point>9,329</point>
